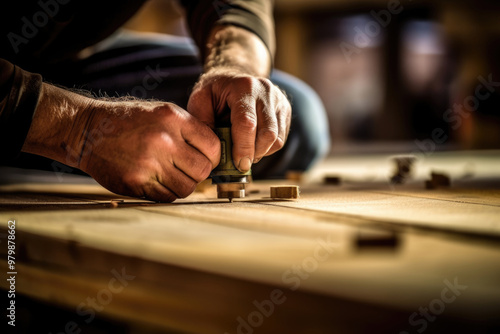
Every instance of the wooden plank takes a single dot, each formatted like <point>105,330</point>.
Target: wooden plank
<point>217,302</point>
<point>253,246</point>
<point>447,211</point>
<point>258,255</point>
<point>65,267</point>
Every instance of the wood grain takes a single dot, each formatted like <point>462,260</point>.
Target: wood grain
<point>206,258</point>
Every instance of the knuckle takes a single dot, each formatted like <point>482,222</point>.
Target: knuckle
<point>284,104</point>
<point>246,83</point>
<point>266,84</point>
<point>268,135</point>
<point>169,111</point>
<point>282,100</point>
<point>186,189</point>
<point>169,198</point>
<point>279,143</point>
<point>162,107</point>
<point>214,148</point>
<point>204,171</point>
<point>247,122</point>
<point>162,196</point>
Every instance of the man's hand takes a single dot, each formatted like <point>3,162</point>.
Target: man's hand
<point>235,80</point>
<point>259,112</point>
<point>154,150</point>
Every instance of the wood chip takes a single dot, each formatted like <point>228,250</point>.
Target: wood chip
<point>403,168</point>
<point>285,192</point>
<point>331,179</point>
<point>437,180</point>
<point>440,179</point>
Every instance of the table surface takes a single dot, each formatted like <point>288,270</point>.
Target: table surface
<point>365,249</point>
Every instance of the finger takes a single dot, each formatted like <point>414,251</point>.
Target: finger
<point>176,181</point>
<point>192,163</point>
<point>267,130</point>
<point>243,131</point>
<point>203,139</point>
<point>159,193</point>
<point>284,116</point>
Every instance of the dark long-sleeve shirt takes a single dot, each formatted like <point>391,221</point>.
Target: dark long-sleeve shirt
<point>40,33</point>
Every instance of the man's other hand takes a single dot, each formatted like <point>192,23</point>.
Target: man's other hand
<point>260,113</point>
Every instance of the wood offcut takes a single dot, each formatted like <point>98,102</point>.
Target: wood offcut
<point>285,192</point>
<point>437,180</point>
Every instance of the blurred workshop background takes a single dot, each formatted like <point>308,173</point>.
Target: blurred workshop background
<point>393,75</point>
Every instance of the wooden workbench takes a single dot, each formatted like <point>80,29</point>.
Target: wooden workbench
<point>361,257</point>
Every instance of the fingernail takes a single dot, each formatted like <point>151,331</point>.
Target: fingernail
<point>245,164</point>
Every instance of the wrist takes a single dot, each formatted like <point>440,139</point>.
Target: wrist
<point>59,125</point>
<point>237,49</point>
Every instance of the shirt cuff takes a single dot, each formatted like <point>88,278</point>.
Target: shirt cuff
<point>16,112</point>
<point>253,15</point>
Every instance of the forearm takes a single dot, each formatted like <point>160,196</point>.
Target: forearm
<point>235,87</point>
<point>238,49</point>
<point>58,127</point>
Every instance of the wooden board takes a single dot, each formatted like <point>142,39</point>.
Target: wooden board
<point>209,259</point>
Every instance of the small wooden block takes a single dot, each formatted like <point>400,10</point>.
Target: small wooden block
<point>285,192</point>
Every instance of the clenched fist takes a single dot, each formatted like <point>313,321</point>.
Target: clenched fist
<point>154,150</point>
